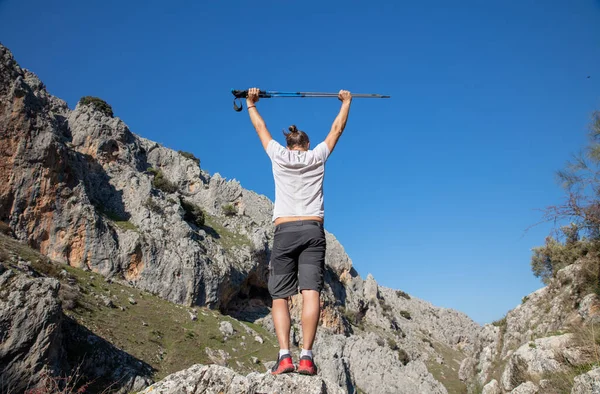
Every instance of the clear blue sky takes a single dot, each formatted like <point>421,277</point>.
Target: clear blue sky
<point>430,191</point>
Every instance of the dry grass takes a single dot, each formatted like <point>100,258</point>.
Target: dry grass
<point>586,338</point>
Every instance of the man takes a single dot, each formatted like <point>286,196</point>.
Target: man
<point>298,255</point>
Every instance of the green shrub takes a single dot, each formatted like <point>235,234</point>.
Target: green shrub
<point>406,315</point>
<point>403,356</point>
<point>384,305</point>
<point>229,210</point>
<point>193,213</point>
<point>500,322</point>
<point>354,318</point>
<point>402,294</point>
<point>153,206</point>
<point>160,182</point>
<point>547,260</point>
<point>189,155</point>
<point>392,344</point>
<point>98,104</point>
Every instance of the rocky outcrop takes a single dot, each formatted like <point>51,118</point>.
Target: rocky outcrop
<point>540,357</point>
<point>550,334</point>
<point>38,342</point>
<point>215,379</point>
<point>30,330</point>
<point>360,363</point>
<point>588,383</point>
<point>493,387</point>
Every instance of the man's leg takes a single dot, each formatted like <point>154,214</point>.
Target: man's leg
<point>311,310</point>
<point>283,282</point>
<point>311,264</point>
<point>281,320</point>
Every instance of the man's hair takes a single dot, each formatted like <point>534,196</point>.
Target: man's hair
<point>296,138</point>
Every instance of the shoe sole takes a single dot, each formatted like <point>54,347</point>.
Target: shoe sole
<point>307,372</point>
<point>286,370</point>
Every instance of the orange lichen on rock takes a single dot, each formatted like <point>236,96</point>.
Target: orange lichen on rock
<point>136,265</point>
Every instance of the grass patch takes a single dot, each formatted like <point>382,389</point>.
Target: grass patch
<point>229,210</point>
<point>447,373</point>
<point>228,239</point>
<point>126,225</point>
<point>120,221</point>
<point>161,333</point>
<point>156,331</point>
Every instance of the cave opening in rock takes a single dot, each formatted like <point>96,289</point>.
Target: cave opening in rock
<point>252,301</point>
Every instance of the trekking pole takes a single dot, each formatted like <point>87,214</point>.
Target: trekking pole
<point>240,94</point>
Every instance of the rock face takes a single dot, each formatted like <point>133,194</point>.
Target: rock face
<point>360,363</point>
<point>84,190</point>
<point>38,340</point>
<point>215,379</point>
<point>588,383</point>
<point>538,357</point>
<point>30,329</point>
<point>551,334</point>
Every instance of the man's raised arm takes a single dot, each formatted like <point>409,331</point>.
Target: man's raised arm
<point>257,120</point>
<point>337,128</point>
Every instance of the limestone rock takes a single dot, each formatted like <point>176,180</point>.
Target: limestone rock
<point>544,355</point>
<point>30,318</point>
<point>493,387</point>
<point>38,336</point>
<point>371,289</point>
<point>530,340</point>
<point>588,383</point>
<point>361,363</point>
<point>218,356</point>
<point>226,328</point>
<point>216,379</point>
<point>526,388</point>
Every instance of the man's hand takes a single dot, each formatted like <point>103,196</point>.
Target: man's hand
<point>345,96</point>
<point>252,97</point>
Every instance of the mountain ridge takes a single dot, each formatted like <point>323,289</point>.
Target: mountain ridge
<point>82,189</point>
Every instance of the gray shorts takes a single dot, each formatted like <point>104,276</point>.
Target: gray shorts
<point>297,258</point>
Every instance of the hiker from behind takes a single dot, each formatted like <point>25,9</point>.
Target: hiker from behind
<point>298,255</point>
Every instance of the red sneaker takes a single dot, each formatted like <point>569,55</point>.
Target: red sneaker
<point>307,366</point>
<point>284,365</point>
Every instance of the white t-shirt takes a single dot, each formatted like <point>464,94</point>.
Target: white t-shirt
<point>298,179</point>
